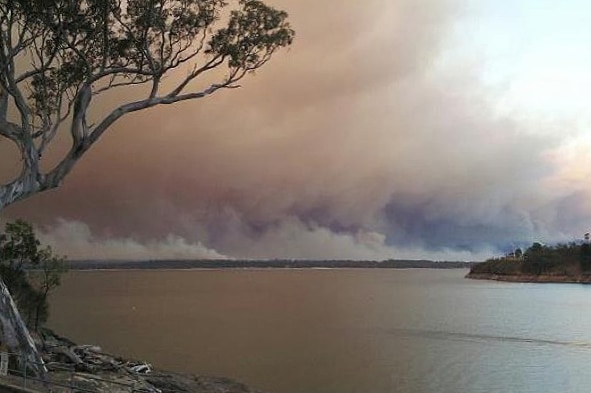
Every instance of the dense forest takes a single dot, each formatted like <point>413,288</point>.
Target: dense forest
<point>572,260</point>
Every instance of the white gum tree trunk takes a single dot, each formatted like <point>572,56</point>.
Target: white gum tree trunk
<point>15,334</point>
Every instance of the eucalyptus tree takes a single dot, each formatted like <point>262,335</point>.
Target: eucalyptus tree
<point>58,56</point>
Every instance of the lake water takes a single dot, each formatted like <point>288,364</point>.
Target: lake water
<point>338,331</point>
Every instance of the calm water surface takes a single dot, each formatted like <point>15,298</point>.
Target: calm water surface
<point>338,331</point>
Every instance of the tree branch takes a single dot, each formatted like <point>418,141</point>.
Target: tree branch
<point>213,63</point>
<point>10,131</point>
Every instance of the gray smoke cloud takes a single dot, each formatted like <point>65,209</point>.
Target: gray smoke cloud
<point>371,138</point>
<point>76,241</point>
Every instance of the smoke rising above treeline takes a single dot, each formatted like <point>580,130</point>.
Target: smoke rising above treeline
<point>375,136</point>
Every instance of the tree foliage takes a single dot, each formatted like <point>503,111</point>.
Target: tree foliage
<point>57,56</point>
<point>29,270</point>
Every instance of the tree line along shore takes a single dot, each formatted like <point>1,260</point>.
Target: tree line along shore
<point>263,264</point>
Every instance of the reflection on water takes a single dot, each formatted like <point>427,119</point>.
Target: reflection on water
<point>296,331</point>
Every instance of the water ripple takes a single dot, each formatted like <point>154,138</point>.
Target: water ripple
<point>458,336</point>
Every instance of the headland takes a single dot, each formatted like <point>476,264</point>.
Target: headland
<point>563,263</point>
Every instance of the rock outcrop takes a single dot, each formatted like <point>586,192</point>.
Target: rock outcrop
<point>85,368</point>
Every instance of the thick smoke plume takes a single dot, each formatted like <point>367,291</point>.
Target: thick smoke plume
<point>374,137</point>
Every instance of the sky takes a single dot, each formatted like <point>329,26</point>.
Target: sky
<point>438,129</point>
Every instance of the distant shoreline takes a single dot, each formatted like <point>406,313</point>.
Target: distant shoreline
<point>524,278</point>
<point>264,264</point>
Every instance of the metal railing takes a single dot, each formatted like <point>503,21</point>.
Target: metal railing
<point>63,379</point>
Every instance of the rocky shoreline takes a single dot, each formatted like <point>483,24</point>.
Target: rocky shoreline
<point>524,278</point>
<point>85,368</point>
